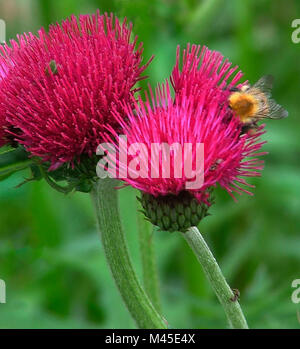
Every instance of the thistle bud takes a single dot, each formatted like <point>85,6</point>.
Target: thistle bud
<point>173,212</point>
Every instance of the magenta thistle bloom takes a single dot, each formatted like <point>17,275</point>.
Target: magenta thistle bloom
<point>202,67</point>
<point>62,85</point>
<point>3,122</point>
<point>199,115</point>
<point>229,157</point>
<point>3,126</point>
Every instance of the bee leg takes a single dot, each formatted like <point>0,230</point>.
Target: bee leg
<point>234,89</point>
<point>231,89</point>
<point>245,129</point>
<point>252,128</point>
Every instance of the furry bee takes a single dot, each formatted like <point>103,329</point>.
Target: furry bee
<point>253,103</point>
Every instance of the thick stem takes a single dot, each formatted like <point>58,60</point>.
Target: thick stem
<point>224,293</point>
<point>105,199</point>
<point>150,276</point>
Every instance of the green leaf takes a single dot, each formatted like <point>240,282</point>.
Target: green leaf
<point>8,170</point>
<point>13,160</point>
<point>6,149</point>
<point>36,172</point>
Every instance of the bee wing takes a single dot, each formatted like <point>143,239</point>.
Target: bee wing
<point>276,111</point>
<point>264,84</point>
<point>272,110</point>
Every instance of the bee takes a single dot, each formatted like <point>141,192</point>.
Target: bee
<point>254,103</point>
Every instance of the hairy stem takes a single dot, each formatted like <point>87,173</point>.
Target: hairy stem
<point>105,200</point>
<point>214,274</point>
<point>150,276</point>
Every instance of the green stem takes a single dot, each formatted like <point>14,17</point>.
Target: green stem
<point>214,274</point>
<point>62,189</point>
<point>105,200</point>
<point>150,276</point>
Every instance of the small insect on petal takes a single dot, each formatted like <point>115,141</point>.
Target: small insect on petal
<point>216,164</point>
<point>52,66</point>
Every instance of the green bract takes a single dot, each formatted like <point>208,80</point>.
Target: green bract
<point>173,212</point>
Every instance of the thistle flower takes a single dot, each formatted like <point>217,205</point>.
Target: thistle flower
<point>2,131</point>
<point>3,123</point>
<point>201,119</point>
<point>62,85</point>
<point>202,67</point>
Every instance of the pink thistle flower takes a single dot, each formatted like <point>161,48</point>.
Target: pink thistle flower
<point>229,157</point>
<point>3,126</point>
<point>62,85</point>
<point>200,67</point>
<point>3,122</point>
<point>199,114</point>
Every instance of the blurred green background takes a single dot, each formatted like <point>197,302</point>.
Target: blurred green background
<point>50,254</point>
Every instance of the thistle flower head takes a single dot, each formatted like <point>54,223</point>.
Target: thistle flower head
<point>198,115</point>
<point>227,155</point>
<point>62,85</point>
<point>198,67</point>
<point>3,123</point>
